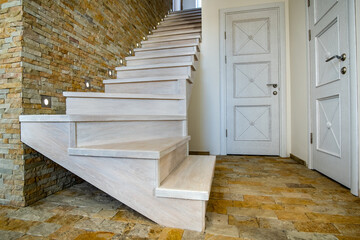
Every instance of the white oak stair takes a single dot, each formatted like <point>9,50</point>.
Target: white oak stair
<point>132,140</point>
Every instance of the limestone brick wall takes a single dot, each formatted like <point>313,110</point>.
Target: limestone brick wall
<point>62,43</point>
<point>11,163</point>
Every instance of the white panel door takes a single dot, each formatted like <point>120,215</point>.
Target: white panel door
<point>252,79</point>
<point>330,93</point>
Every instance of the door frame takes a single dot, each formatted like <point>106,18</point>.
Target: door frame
<point>354,121</point>
<point>282,80</point>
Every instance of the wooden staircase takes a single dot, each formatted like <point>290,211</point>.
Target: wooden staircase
<point>132,140</point>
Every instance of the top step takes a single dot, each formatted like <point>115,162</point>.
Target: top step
<point>185,15</point>
<point>193,10</point>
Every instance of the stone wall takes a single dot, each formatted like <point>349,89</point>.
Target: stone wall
<point>66,42</point>
<point>11,163</point>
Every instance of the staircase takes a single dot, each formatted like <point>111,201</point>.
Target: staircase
<point>132,141</point>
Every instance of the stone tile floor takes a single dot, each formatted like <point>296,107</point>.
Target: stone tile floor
<point>252,198</point>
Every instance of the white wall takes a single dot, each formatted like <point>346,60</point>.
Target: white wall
<point>188,4</point>
<point>299,98</point>
<point>204,112</point>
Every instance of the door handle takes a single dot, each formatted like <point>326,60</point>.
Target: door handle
<point>341,58</point>
<point>274,85</point>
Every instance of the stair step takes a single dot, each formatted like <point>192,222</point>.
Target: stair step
<point>146,79</point>
<point>178,85</point>
<point>171,44</point>
<point>99,118</point>
<point>156,66</point>
<point>174,32</point>
<point>182,68</point>
<point>185,15</point>
<point>173,38</point>
<point>146,149</point>
<point>186,18</point>
<point>163,55</point>
<point>168,48</point>
<point>180,22</point>
<point>181,27</point>
<point>120,96</point>
<point>186,11</point>
<point>190,180</point>
<point>135,61</point>
<point>91,103</point>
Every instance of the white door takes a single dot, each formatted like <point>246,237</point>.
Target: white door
<point>253,82</point>
<point>330,102</point>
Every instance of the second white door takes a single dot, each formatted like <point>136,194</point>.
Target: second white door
<point>253,82</point>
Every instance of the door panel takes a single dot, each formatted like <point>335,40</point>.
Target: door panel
<point>252,69</point>
<point>330,93</point>
<point>321,7</point>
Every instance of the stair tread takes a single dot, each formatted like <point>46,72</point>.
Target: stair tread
<point>160,65</point>
<point>178,32</point>
<point>168,29</point>
<point>172,38</point>
<point>145,79</point>
<point>186,53</point>
<point>143,49</point>
<point>190,180</point>
<point>180,22</point>
<point>148,149</point>
<point>122,95</point>
<point>97,118</point>
<point>187,18</point>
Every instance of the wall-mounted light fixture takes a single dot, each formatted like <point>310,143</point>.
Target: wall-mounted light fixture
<point>138,45</point>
<point>154,27</point>
<point>144,38</point>
<point>110,72</point>
<point>87,84</point>
<point>150,32</point>
<point>130,52</point>
<point>45,101</point>
<point>121,61</point>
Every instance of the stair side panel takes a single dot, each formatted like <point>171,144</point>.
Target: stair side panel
<point>130,181</point>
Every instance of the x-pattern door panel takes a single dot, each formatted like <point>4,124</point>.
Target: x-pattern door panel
<point>330,91</point>
<point>252,49</point>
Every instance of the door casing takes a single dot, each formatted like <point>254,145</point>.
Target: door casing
<point>282,74</point>
<point>354,121</point>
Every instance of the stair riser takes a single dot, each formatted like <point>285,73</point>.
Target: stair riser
<point>176,23</point>
<point>165,51</point>
<point>99,133</point>
<point>160,60</point>
<point>183,16</point>
<point>170,161</point>
<point>174,38</point>
<point>175,32</point>
<point>154,72</point>
<point>154,87</point>
<point>186,11</point>
<point>186,18</point>
<point>106,106</point>
<point>148,44</point>
<point>185,27</point>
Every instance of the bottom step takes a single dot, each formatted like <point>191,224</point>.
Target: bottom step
<point>191,180</point>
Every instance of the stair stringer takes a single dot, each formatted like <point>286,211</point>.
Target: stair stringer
<point>131,181</point>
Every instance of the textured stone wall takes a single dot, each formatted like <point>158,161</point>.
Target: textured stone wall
<point>64,43</point>
<point>11,163</point>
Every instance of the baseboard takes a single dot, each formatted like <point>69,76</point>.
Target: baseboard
<point>298,160</point>
<point>199,153</point>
